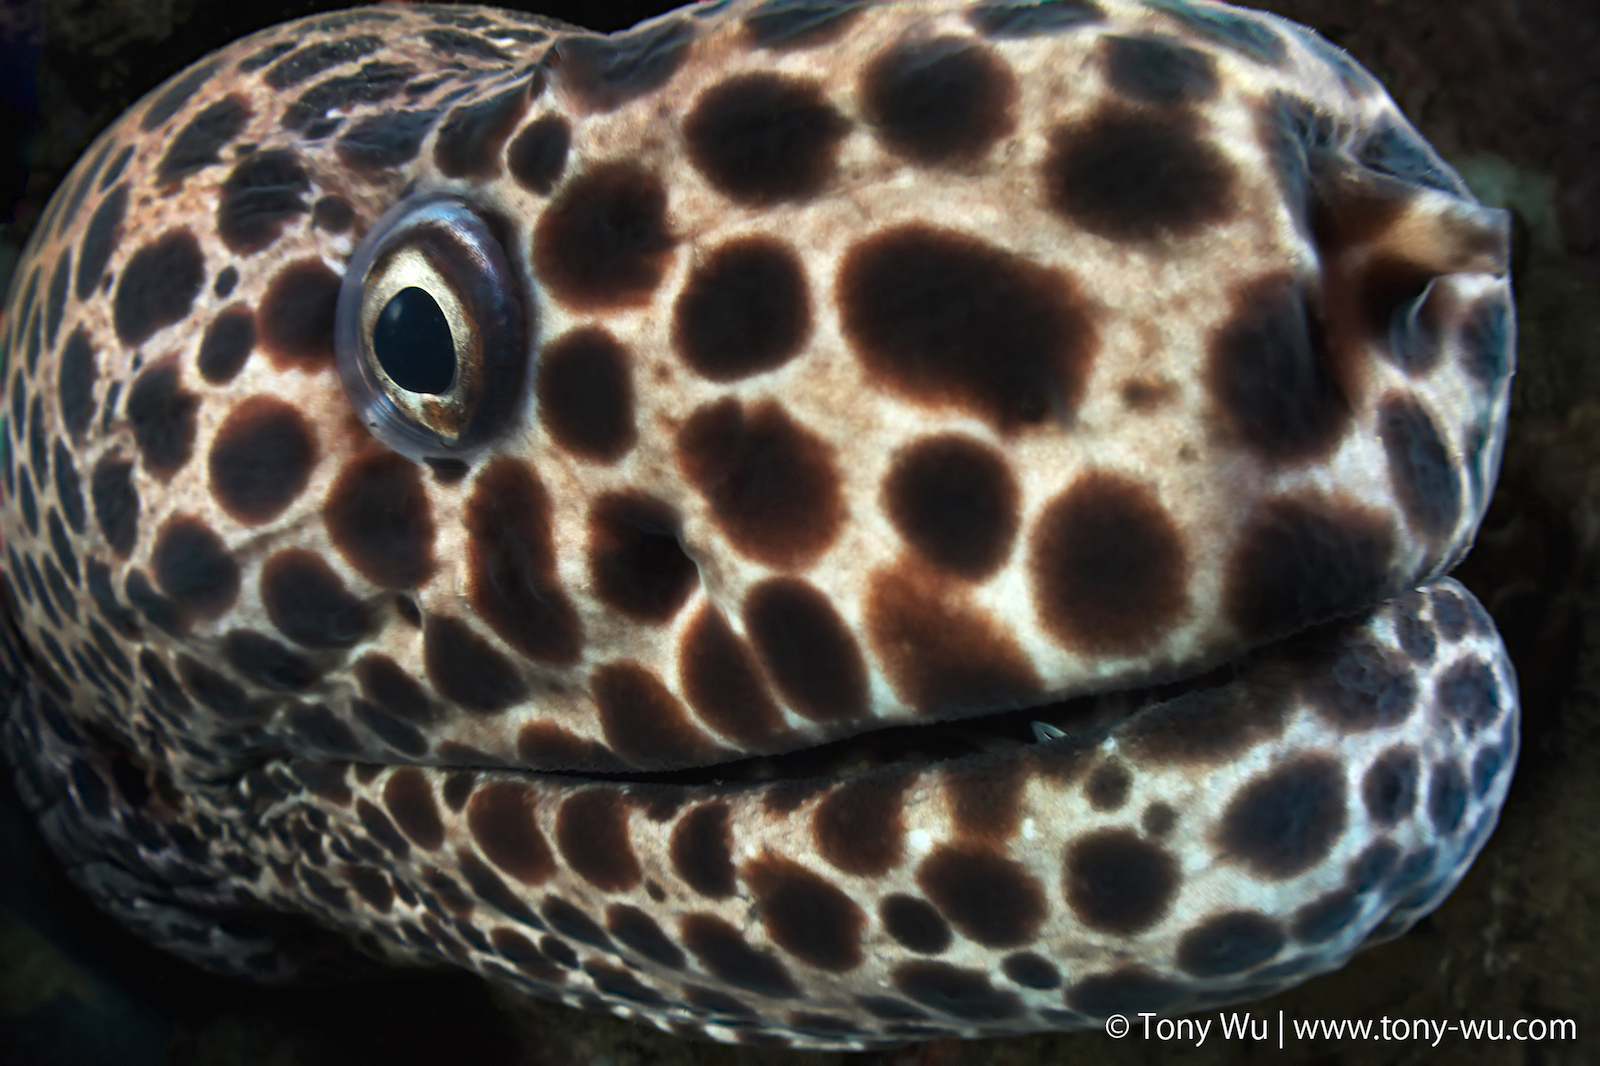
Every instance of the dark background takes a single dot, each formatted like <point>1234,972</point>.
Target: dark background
<point>1507,89</point>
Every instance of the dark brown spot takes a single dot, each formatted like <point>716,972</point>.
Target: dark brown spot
<point>1270,376</point>
<point>226,345</point>
<point>158,286</point>
<point>744,310</point>
<point>409,797</point>
<point>467,669</point>
<point>953,990</point>
<point>702,850</point>
<point>604,242</point>
<point>308,602</point>
<point>723,951</point>
<point>161,414</point>
<point>1425,478</point>
<point>608,71</point>
<point>643,721</point>
<point>1117,883</point>
<point>1303,559</point>
<point>261,195</point>
<point>592,833</point>
<point>806,915</point>
<point>261,459</point>
<point>914,924</point>
<point>199,143</point>
<point>807,649</point>
<point>377,516</point>
<point>987,898</point>
<point>637,930</point>
<point>1135,176</point>
<point>501,818</point>
<point>1109,568</point>
<point>193,567</point>
<point>539,154</point>
<point>943,653</point>
<point>984,800</point>
<point>1389,787</point>
<point>1130,990</point>
<point>939,100</point>
<point>771,482</point>
<point>1159,70</point>
<point>1107,788</point>
<point>761,138</point>
<point>860,826</point>
<point>295,320</point>
<point>722,684</point>
<point>926,309</point>
<point>585,390</point>
<point>637,562</point>
<point>512,564</point>
<point>1361,686</point>
<point>955,501</point>
<point>1288,819</point>
<point>1230,943</point>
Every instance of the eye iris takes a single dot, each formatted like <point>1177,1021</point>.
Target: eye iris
<point>412,342</point>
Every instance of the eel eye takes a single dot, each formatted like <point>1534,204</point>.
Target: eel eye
<point>430,331</point>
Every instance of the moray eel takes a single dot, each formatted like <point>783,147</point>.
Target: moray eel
<point>803,521</point>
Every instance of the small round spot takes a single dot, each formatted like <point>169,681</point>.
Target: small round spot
<point>333,214</point>
<point>295,319</point>
<point>501,818</point>
<point>1107,788</point>
<point>860,827</point>
<point>1109,569</point>
<point>585,391</point>
<point>512,564</point>
<point>772,484</point>
<point>1159,70</point>
<point>702,850</point>
<point>987,898</point>
<point>723,686</point>
<point>954,500</point>
<point>914,924</point>
<point>592,833</point>
<point>1447,796</point>
<point>1270,378</point>
<point>226,344</point>
<point>161,414</point>
<point>939,101</point>
<point>1301,560</point>
<point>227,278</point>
<point>925,309</point>
<point>1137,177</point>
<point>745,310</point>
<point>538,155</point>
<point>1030,970</point>
<point>637,562</point>
<point>725,953</point>
<point>807,915</point>
<point>308,602</point>
<point>1230,943</point>
<point>1425,479</point>
<point>466,668</point>
<point>955,991</point>
<point>378,517</point>
<point>762,138</point>
<point>643,721</point>
<point>261,459</point>
<point>193,567</point>
<point>1126,991</point>
<point>604,242</point>
<point>807,649</point>
<point>158,286</point>
<point>1287,820</point>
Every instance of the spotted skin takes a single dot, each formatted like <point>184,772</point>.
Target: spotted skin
<point>906,372</point>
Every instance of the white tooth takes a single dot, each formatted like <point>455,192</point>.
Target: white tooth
<point>1043,731</point>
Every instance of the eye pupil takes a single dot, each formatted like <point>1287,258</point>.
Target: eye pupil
<point>412,342</point>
